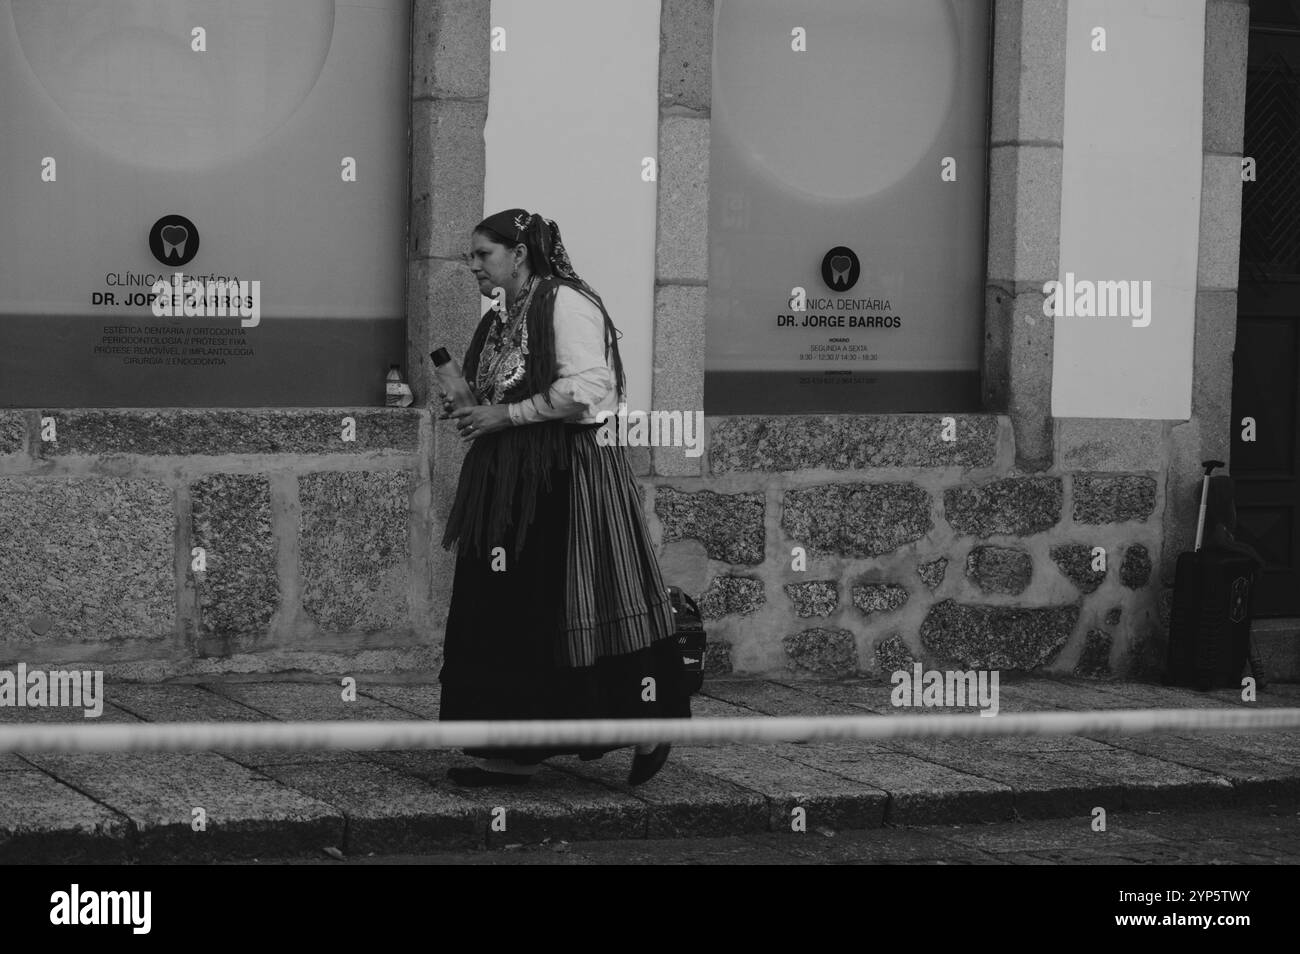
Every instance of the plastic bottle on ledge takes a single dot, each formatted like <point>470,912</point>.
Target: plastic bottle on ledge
<point>397,393</point>
<point>451,380</point>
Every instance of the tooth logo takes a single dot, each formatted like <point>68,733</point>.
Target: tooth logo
<point>840,268</point>
<point>174,241</point>
<point>174,238</point>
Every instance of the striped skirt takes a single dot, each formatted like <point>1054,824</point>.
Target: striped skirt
<point>571,627</point>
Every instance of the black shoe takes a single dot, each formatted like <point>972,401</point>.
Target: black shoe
<point>475,777</point>
<point>645,767</point>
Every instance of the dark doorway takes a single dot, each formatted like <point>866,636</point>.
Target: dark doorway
<point>1266,359</point>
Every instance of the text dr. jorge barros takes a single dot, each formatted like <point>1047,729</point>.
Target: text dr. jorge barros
<point>191,298</point>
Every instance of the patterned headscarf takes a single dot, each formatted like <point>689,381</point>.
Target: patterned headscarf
<point>516,225</point>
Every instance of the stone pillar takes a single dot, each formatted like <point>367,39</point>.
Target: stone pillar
<point>450,48</point>
<point>1025,153</point>
<point>682,239</point>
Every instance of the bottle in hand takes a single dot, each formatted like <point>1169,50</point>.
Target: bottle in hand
<point>450,380</point>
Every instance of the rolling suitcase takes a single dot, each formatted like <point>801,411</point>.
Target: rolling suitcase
<point>1209,621</point>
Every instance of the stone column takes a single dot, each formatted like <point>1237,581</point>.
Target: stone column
<point>682,240</point>
<point>450,49</point>
<point>1025,153</point>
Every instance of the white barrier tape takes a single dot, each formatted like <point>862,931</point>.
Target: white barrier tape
<point>377,735</point>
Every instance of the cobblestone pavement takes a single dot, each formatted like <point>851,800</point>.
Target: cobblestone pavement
<point>712,800</point>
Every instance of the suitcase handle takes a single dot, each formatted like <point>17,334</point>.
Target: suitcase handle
<point>689,602</point>
<point>1209,466</point>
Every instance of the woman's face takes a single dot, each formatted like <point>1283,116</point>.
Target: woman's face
<point>491,264</point>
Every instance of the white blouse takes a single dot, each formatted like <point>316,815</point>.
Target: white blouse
<point>586,383</point>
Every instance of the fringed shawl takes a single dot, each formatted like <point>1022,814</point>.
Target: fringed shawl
<point>504,471</point>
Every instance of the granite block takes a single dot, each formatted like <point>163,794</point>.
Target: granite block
<point>239,590</point>
<point>1113,498</point>
<point>86,559</point>
<point>856,520</point>
<point>730,525</point>
<point>1020,506</point>
<point>850,442</point>
<point>220,431</point>
<point>998,637</point>
<point>353,547</point>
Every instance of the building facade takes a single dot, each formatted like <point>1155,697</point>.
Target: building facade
<point>1036,530</point>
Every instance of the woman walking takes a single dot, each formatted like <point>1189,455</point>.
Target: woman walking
<point>570,618</point>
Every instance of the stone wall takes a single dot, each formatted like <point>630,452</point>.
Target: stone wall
<point>321,554</point>
<point>155,543</point>
<point>917,548</point>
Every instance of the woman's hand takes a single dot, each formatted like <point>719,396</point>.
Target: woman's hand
<point>447,406</point>
<point>474,422</point>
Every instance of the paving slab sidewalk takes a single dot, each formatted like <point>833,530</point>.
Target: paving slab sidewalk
<point>61,808</point>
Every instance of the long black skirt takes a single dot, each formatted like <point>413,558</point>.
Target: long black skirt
<point>508,624</point>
